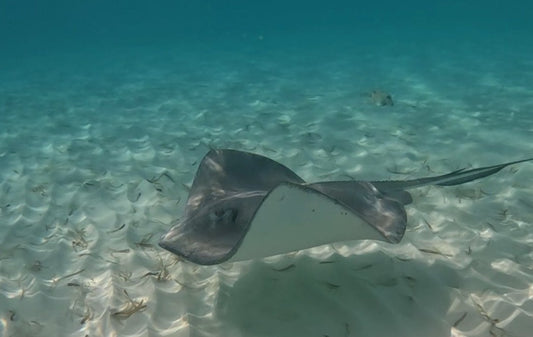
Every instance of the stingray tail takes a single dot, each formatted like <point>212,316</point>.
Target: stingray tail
<point>458,177</point>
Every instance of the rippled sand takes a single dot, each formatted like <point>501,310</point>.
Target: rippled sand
<point>95,165</point>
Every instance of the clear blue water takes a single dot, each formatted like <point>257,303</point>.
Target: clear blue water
<point>36,27</point>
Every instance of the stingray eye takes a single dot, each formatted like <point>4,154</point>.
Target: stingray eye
<point>224,215</point>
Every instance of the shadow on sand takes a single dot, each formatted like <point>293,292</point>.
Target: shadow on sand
<point>360,295</point>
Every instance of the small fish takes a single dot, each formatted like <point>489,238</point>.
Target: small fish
<point>381,98</point>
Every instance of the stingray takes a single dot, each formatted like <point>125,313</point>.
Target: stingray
<point>244,206</point>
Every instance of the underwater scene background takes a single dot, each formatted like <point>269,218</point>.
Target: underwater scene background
<point>107,107</point>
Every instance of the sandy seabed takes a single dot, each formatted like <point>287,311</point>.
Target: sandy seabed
<point>96,160</point>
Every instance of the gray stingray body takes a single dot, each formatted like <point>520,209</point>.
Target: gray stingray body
<point>243,206</point>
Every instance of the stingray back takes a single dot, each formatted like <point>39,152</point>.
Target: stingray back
<point>228,188</point>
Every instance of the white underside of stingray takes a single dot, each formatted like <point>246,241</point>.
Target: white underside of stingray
<point>244,206</point>
<point>317,221</point>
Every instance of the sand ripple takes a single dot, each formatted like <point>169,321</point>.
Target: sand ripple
<point>90,179</point>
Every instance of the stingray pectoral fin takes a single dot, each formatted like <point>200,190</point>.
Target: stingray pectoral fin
<point>453,178</point>
<point>294,217</point>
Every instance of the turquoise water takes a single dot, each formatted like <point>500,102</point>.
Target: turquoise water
<point>97,99</point>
